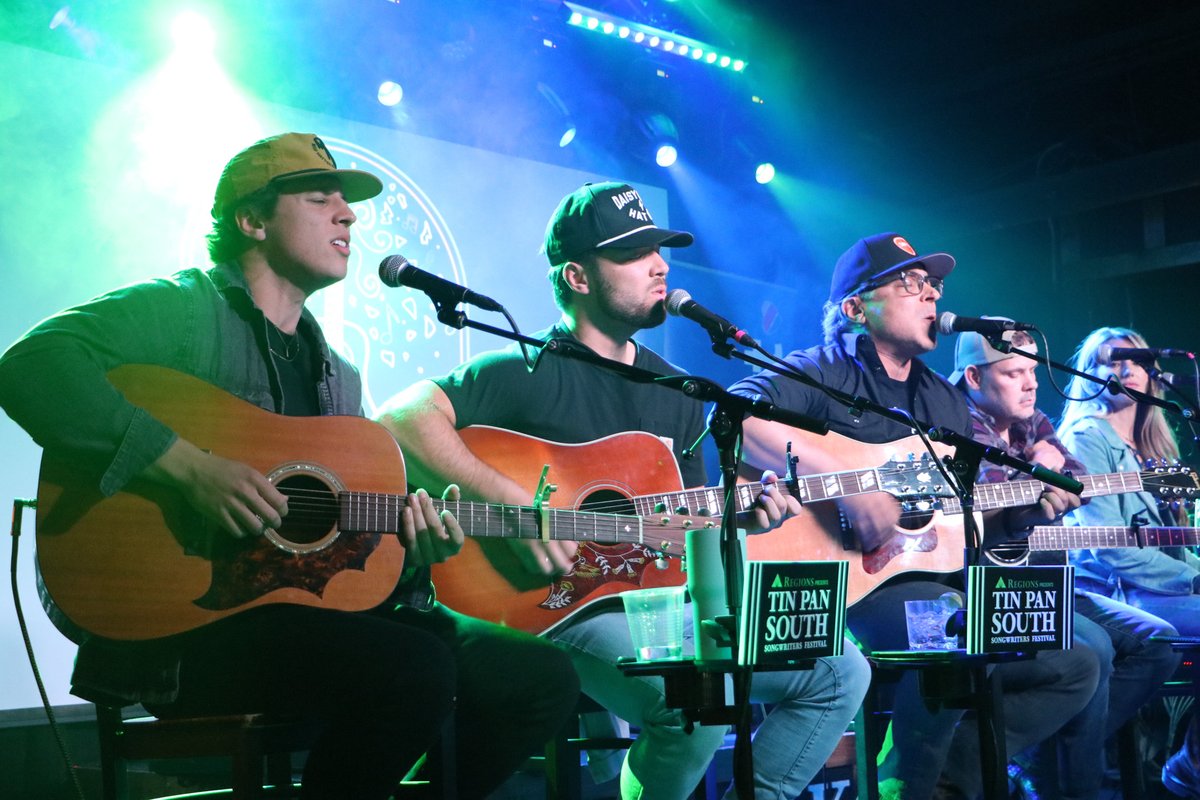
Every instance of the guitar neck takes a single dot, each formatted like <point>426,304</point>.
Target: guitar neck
<point>1008,494</point>
<point>380,513</point>
<point>1060,537</point>
<point>806,489</point>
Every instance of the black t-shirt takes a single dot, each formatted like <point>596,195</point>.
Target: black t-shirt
<point>297,374</point>
<point>853,366</point>
<point>570,401</point>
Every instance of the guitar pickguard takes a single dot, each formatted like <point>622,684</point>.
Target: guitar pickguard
<point>243,573</point>
<point>595,566</point>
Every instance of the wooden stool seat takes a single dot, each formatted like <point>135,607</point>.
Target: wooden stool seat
<point>248,740</point>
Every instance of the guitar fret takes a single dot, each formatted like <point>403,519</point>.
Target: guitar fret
<point>746,496</point>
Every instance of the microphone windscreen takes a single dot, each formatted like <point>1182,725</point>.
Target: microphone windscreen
<point>390,269</point>
<point>675,301</point>
<point>945,322</point>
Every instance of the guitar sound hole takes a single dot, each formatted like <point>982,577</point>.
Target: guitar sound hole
<point>312,509</point>
<point>914,520</point>
<point>608,501</point>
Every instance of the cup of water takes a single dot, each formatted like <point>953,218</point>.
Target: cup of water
<point>655,619</point>
<point>926,620</point>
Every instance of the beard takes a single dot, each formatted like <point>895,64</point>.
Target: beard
<point>636,317</point>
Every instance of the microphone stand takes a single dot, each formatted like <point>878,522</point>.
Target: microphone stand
<point>730,411</point>
<point>1113,385</point>
<point>962,468</point>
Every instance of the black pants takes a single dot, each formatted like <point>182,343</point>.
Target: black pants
<point>384,682</point>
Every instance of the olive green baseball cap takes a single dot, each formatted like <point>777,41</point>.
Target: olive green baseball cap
<point>280,159</point>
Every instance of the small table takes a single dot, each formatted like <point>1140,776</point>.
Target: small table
<point>954,679</point>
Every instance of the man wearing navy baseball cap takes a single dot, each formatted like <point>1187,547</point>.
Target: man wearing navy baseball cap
<point>879,320</point>
<point>609,280</point>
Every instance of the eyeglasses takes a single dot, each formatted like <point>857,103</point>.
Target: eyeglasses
<point>914,282</point>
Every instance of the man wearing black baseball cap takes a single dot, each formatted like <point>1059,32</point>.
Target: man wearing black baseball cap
<point>610,281</point>
<point>878,322</point>
<point>379,682</point>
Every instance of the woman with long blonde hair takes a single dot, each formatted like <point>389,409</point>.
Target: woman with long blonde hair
<point>1111,432</point>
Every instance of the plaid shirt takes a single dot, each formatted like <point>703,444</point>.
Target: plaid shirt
<point>1022,436</point>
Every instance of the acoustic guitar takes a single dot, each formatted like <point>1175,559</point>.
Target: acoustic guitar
<point>930,537</point>
<point>143,564</point>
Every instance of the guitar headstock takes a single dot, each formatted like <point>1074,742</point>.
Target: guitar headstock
<point>1172,482</point>
<point>912,476</point>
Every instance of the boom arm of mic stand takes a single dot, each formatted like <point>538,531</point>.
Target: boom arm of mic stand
<point>1113,386</point>
<point>998,456</point>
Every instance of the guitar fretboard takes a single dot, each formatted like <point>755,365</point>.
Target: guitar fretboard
<point>372,512</point>
<point>1008,494</point>
<point>806,489</point>
<point>1060,537</point>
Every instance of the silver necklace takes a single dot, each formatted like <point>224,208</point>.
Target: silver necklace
<point>289,344</point>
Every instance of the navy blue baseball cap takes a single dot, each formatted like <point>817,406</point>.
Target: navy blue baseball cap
<point>880,255</point>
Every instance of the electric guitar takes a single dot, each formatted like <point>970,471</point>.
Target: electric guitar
<point>143,564</point>
<point>930,536</point>
<point>1044,538</point>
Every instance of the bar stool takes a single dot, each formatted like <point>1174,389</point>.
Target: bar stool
<point>250,741</point>
<point>949,678</point>
<point>259,746</point>
<point>1182,684</point>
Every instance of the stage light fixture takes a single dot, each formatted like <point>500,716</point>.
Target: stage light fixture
<point>390,93</point>
<point>765,173</point>
<point>191,32</point>
<point>666,155</point>
<point>85,38</point>
<point>652,37</point>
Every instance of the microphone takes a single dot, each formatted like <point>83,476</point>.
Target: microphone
<point>949,322</point>
<point>396,271</point>
<point>1108,354</point>
<point>681,304</point>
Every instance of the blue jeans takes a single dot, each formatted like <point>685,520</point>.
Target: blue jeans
<point>1040,695</point>
<point>1180,610</point>
<point>812,709</point>
<point>1131,669</point>
<point>1136,667</point>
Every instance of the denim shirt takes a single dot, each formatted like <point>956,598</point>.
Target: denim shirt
<point>1167,570</point>
<point>53,381</point>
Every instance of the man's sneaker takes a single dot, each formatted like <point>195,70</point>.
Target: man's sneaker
<point>1179,776</point>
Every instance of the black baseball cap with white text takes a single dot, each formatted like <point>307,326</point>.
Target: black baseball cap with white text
<point>600,215</point>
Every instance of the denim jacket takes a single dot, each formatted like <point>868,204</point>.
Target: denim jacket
<point>53,380</point>
<point>1167,570</point>
<point>53,383</point>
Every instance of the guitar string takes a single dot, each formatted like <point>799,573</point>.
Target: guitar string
<point>621,506</point>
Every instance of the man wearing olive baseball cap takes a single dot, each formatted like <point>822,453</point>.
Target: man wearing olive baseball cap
<point>379,677</point>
